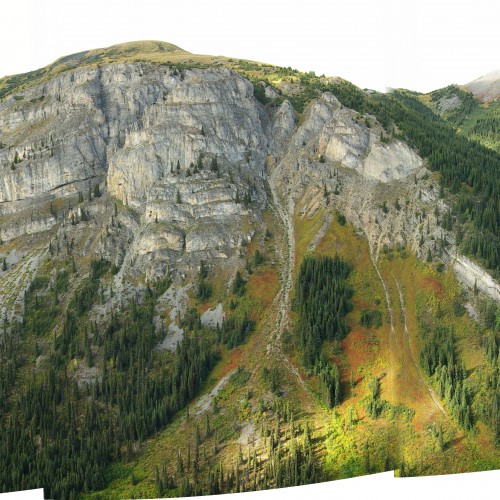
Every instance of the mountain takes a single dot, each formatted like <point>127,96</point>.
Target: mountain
<point>469,116</point>
<point>220,275</point>
<point>487,87</point>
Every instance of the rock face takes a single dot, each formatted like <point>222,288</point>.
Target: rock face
<point>187,152</point>
<point>54,139</point>
<point>338,136</point>
<point>472,275</point>
<point>182,148</point>
<point>336,160</point>
<point>140,125</point>
<point>209,113</point>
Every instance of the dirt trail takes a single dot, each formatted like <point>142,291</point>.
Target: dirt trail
<point>282,299</point>
<point>401,360</point>
<point>418,371</point>
<point>278,313</point>
<point>204,403</point>
<point>392,340</point>
<point>404,372</point>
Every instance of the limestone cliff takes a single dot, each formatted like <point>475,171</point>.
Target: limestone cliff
<point>188,152</point>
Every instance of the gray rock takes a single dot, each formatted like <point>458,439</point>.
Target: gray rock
<point>149,135</point>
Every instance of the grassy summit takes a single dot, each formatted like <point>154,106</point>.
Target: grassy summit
<point>148,50</point>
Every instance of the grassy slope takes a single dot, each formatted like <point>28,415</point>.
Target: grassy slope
<point>484,111</point>
<point>368,352</point>
<point>353,449</point>
<point>362,353</point>
<point>344,449</point>
<point>141,51</point>
<point>365,352</point>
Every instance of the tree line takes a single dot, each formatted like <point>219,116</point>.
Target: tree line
<point>322,299</point>
<point>61,433</point>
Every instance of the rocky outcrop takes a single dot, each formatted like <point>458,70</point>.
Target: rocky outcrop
<point>473,275</point>
<point>185,149</point>
<point>54,140</point>
<point>189,152</point>
<point>337,134</point>
<point>336,161</point>
<point>203,115</point>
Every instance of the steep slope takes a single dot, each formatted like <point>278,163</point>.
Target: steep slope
<point>155,209</point>
<point>166,143</point>
<point>90,58</point>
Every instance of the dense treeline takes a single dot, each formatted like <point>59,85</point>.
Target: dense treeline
<point>487,128</point>
<point>484,126</point>
<point>473,119</point>
<point>439,360</point>
<point>11,359</point>
<point>329,383</point>
<point>322,300</point>
<point>60,432</point>
<point>470,396</point>
<point>466,168</point>
<point>235,328</point>
<point>487,403</point>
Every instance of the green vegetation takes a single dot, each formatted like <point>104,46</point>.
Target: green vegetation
<point>239,284</point>
<point>75,430</point>
<point>484,386</point>
<point>457,113</point>
<point>369,318</point>
<point>475,120</point>
<point>468,171</point>
<point>235,328</point>
<point>154,51</point>
<point>486,130</point>
<point>259,92</point>
<point>438,357</point>
<point>285,459</point>
<point>204,291</point>
<point>470,397</point>
<point>237,325</point>
<point>84,396</point>
<point>329,383</point>
<point>322,300</point>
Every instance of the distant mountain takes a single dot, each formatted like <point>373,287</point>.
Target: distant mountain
<point>472,109</point>
<point>487,87</point>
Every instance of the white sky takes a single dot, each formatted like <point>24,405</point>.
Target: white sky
<point>421,45</point>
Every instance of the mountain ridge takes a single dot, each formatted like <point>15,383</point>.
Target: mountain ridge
<point>486,87</point>
<point>144,48</point>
